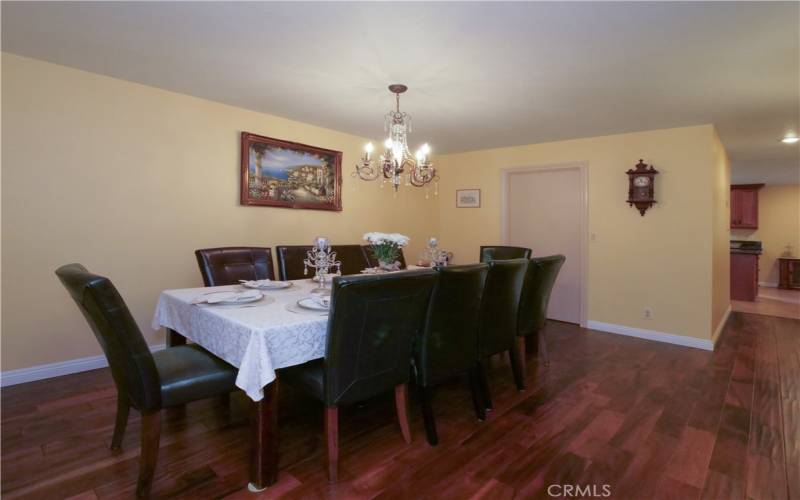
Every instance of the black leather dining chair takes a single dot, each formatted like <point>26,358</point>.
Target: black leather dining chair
<point>539,280</point>
<point>145,381</point>
<point>372,261</point>
<point>448,345</point>
<point>352,258</point>
<point>499,318</point>
<point>228,265</point>
<point>489,253</point>
<point>371,326</point>
<point>290,261</point>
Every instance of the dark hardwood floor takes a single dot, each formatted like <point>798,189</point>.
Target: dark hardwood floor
<point>649,420</point>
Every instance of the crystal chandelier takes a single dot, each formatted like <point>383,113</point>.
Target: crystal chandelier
<point>396,162</point>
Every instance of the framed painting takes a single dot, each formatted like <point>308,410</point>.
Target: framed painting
<point>468,198</point>
<point>278,173</point>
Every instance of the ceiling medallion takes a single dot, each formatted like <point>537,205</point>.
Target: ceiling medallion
<point>396,162</point>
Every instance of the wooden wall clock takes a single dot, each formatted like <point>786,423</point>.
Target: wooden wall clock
<point>641,186</point>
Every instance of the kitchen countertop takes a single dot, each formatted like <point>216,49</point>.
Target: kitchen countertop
<point>746,247</point>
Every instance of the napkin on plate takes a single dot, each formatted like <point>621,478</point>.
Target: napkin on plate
<point>256,283</point>
<point>216,298</point>
<point>323,300</point>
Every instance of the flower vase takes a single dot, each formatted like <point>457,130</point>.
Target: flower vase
<point>388,266</point>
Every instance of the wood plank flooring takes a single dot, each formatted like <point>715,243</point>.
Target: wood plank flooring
<point>771,302</point>
<point>648,420</point>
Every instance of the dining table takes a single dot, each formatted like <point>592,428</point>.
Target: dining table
<point>257,338</point>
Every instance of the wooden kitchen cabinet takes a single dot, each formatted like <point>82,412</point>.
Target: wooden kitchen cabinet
<point>744,276</point>
<point>744,206</point>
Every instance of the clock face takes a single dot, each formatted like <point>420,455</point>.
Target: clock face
<point>641,181</point>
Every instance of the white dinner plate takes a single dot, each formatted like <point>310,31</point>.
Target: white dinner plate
<point>308,303</point>
<point>293,307</point>
<point>229,298</point>
<point>266,284</point>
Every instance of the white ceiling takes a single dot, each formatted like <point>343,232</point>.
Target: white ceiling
<point>481,75</point>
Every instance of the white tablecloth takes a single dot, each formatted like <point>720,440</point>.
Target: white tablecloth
<point>257,340</point>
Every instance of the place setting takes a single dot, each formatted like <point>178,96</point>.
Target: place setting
<point>266,284</point>
<point>228,299</point>
<point>314,303</point>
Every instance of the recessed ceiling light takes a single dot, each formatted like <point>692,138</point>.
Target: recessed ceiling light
<point>789,139</point>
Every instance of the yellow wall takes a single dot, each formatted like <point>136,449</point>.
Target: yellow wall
<point>778,226</point>
<point>720,213</point>
<point>130,180</point>
<point>661,261</point>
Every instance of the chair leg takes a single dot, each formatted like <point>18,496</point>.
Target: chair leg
<point>543,355</point>
<point>477,398</point>
<point>426,402</point>
<point>123,408</point>
<point>151,434</point>
<point>522,356</point>
<point>483,383</point>
<point>401,403</point>
<point>517,357</point>
<point>332,432</point>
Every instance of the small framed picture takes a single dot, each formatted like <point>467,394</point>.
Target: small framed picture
<point>468,198</point>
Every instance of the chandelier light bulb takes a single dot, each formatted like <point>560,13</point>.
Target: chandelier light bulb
<point>426,150</point>
<point>369,147</point>
<point>420,155</point>
<point>790,139</point>
<point>387,144</point>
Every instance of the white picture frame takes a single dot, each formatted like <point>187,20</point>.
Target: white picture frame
<point>468,198</point>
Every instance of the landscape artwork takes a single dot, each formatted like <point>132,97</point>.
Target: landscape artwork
<point>287,174</point>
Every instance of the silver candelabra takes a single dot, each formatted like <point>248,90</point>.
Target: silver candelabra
<point>321,258</point>
<point>434,255</point>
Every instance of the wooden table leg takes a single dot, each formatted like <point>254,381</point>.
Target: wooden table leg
<point>264,424</point>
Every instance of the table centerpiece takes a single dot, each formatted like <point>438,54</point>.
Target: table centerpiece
<point>387,247</point>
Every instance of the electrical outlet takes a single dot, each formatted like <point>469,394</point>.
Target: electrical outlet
<point>648,313</point>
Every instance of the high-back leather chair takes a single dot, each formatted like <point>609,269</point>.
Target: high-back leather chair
<point>372,261</point>
<point>146,381</point>
<point>371,326</point>
<point>228,265</point>
<point>499,317</point>
<point>489,253</point>
<point>539,281</point>
<point>352,258</point>
<point>290,261</point>
<point>448,345</point>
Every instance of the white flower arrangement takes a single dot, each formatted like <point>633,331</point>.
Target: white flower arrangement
<point>387,247</point>
<point>396,239</point>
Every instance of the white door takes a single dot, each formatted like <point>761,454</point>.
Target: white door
<point>544,213</point>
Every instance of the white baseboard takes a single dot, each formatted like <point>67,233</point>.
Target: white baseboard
<point>641,333</point>
<point>721,325</point>
<point>50,370</point>
<point>768,284</point>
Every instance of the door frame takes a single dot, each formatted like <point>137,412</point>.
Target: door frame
<point>583,260</point>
